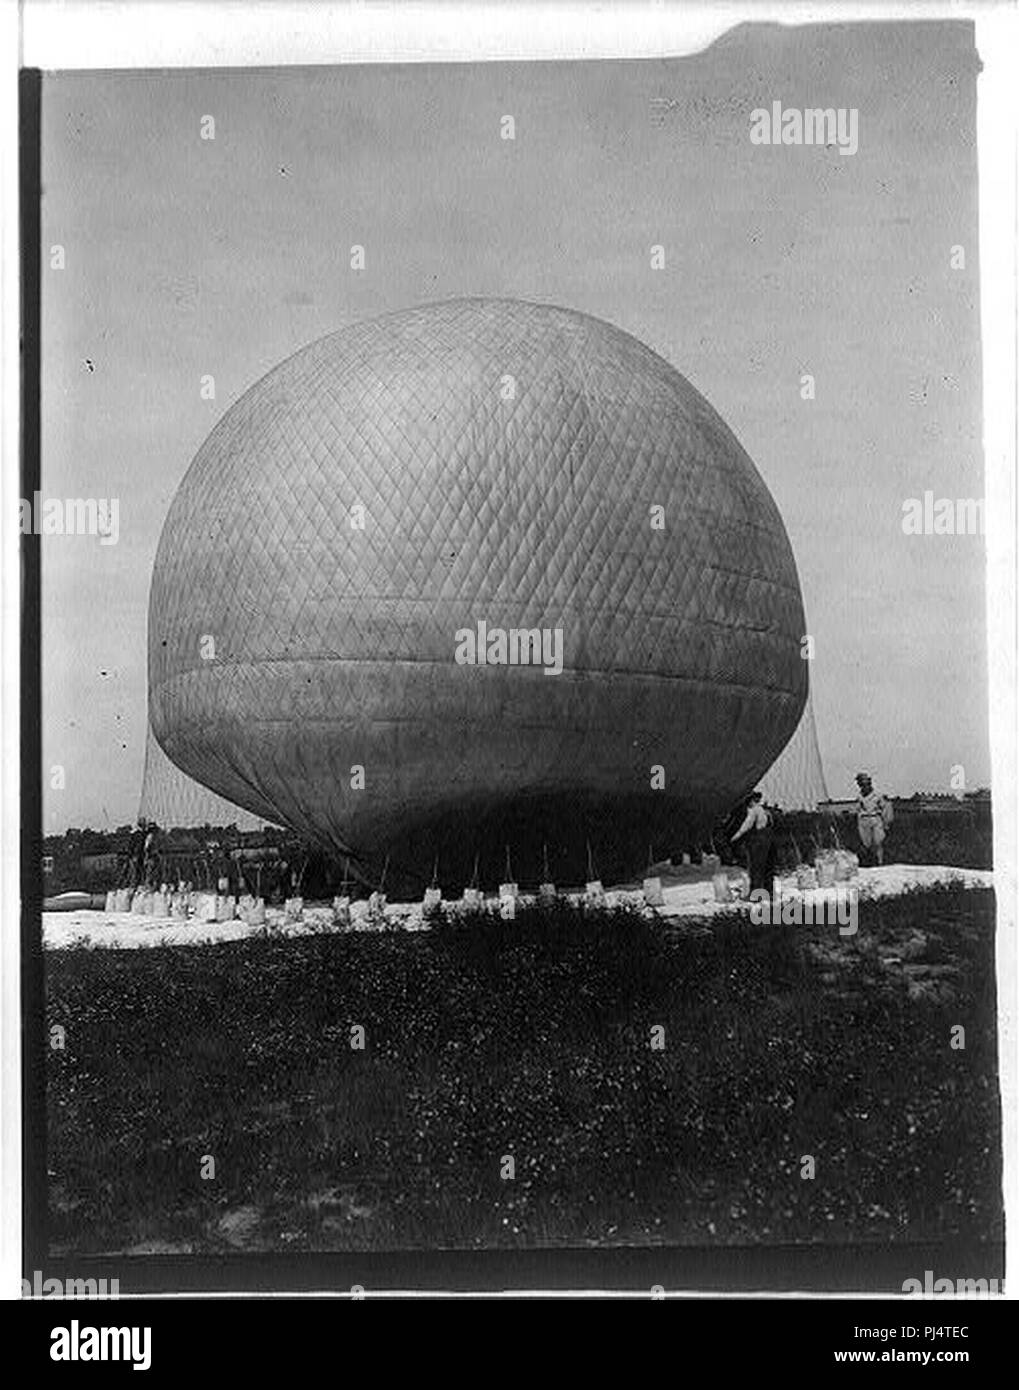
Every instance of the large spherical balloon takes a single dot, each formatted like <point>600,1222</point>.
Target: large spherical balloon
<point>392,487</point>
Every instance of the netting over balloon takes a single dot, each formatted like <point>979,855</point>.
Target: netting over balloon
<point>795,781</point>
<point>171,798</point>
<point>507,461</point>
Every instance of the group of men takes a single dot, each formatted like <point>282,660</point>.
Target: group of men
<point>873,817</point>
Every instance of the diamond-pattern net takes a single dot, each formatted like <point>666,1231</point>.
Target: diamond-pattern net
<point>171,798</point>
<point>795,781</point>
<point>529,508</point>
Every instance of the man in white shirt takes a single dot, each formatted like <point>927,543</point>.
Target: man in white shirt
<point>873,816</point>
<point>760,842</point>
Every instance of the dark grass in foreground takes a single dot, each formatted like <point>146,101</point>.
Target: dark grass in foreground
<point>532,1039</point>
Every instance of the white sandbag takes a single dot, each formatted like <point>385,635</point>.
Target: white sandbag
<point>432,902</point>
<point>806,877</point>
<point>226,908</point>
<point>253,911</point>
<point>473,900</point>
<point>720,887</point>
<point>111,900</point>
<point>653,895</point>
<point>824,863</point>
<point>205,907</point>
<point>847,865</point>
<point>160,905</point>
<point>293,910</point>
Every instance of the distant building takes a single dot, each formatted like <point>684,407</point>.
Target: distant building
<point>935,804</point>
<point>254,854</point>
<point>99,863</point>
<point>921,803</point>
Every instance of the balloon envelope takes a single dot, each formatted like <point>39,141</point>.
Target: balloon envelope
<point>394,486</point>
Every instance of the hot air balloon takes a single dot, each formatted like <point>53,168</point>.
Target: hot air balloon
<point>364,518</point>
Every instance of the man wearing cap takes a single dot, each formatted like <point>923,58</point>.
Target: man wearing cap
<point>873,816</point>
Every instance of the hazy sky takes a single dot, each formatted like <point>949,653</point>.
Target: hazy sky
<point>187,257</point>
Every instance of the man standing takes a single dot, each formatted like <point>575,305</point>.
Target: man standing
<point>873,816</point>
<point>151,853</point>
<point>136,853</point>
<point>760,843</point>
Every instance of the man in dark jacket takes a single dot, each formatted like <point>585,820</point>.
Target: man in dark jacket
<point>136,854</point>
<point>757,828</point>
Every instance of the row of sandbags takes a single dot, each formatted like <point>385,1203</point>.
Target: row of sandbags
<point>474,900</point>
<point>363,913</point>
<point>185,905</point>
<point>206,906</point>
<point>830,866</point>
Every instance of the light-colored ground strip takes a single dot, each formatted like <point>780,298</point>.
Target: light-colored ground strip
<point>125,930</point>
<point>697,899</point>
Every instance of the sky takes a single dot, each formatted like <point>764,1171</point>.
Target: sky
<point>186,258</point>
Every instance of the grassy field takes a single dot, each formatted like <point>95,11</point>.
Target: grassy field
<point>531,1040</point>
<point>963,839</point>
